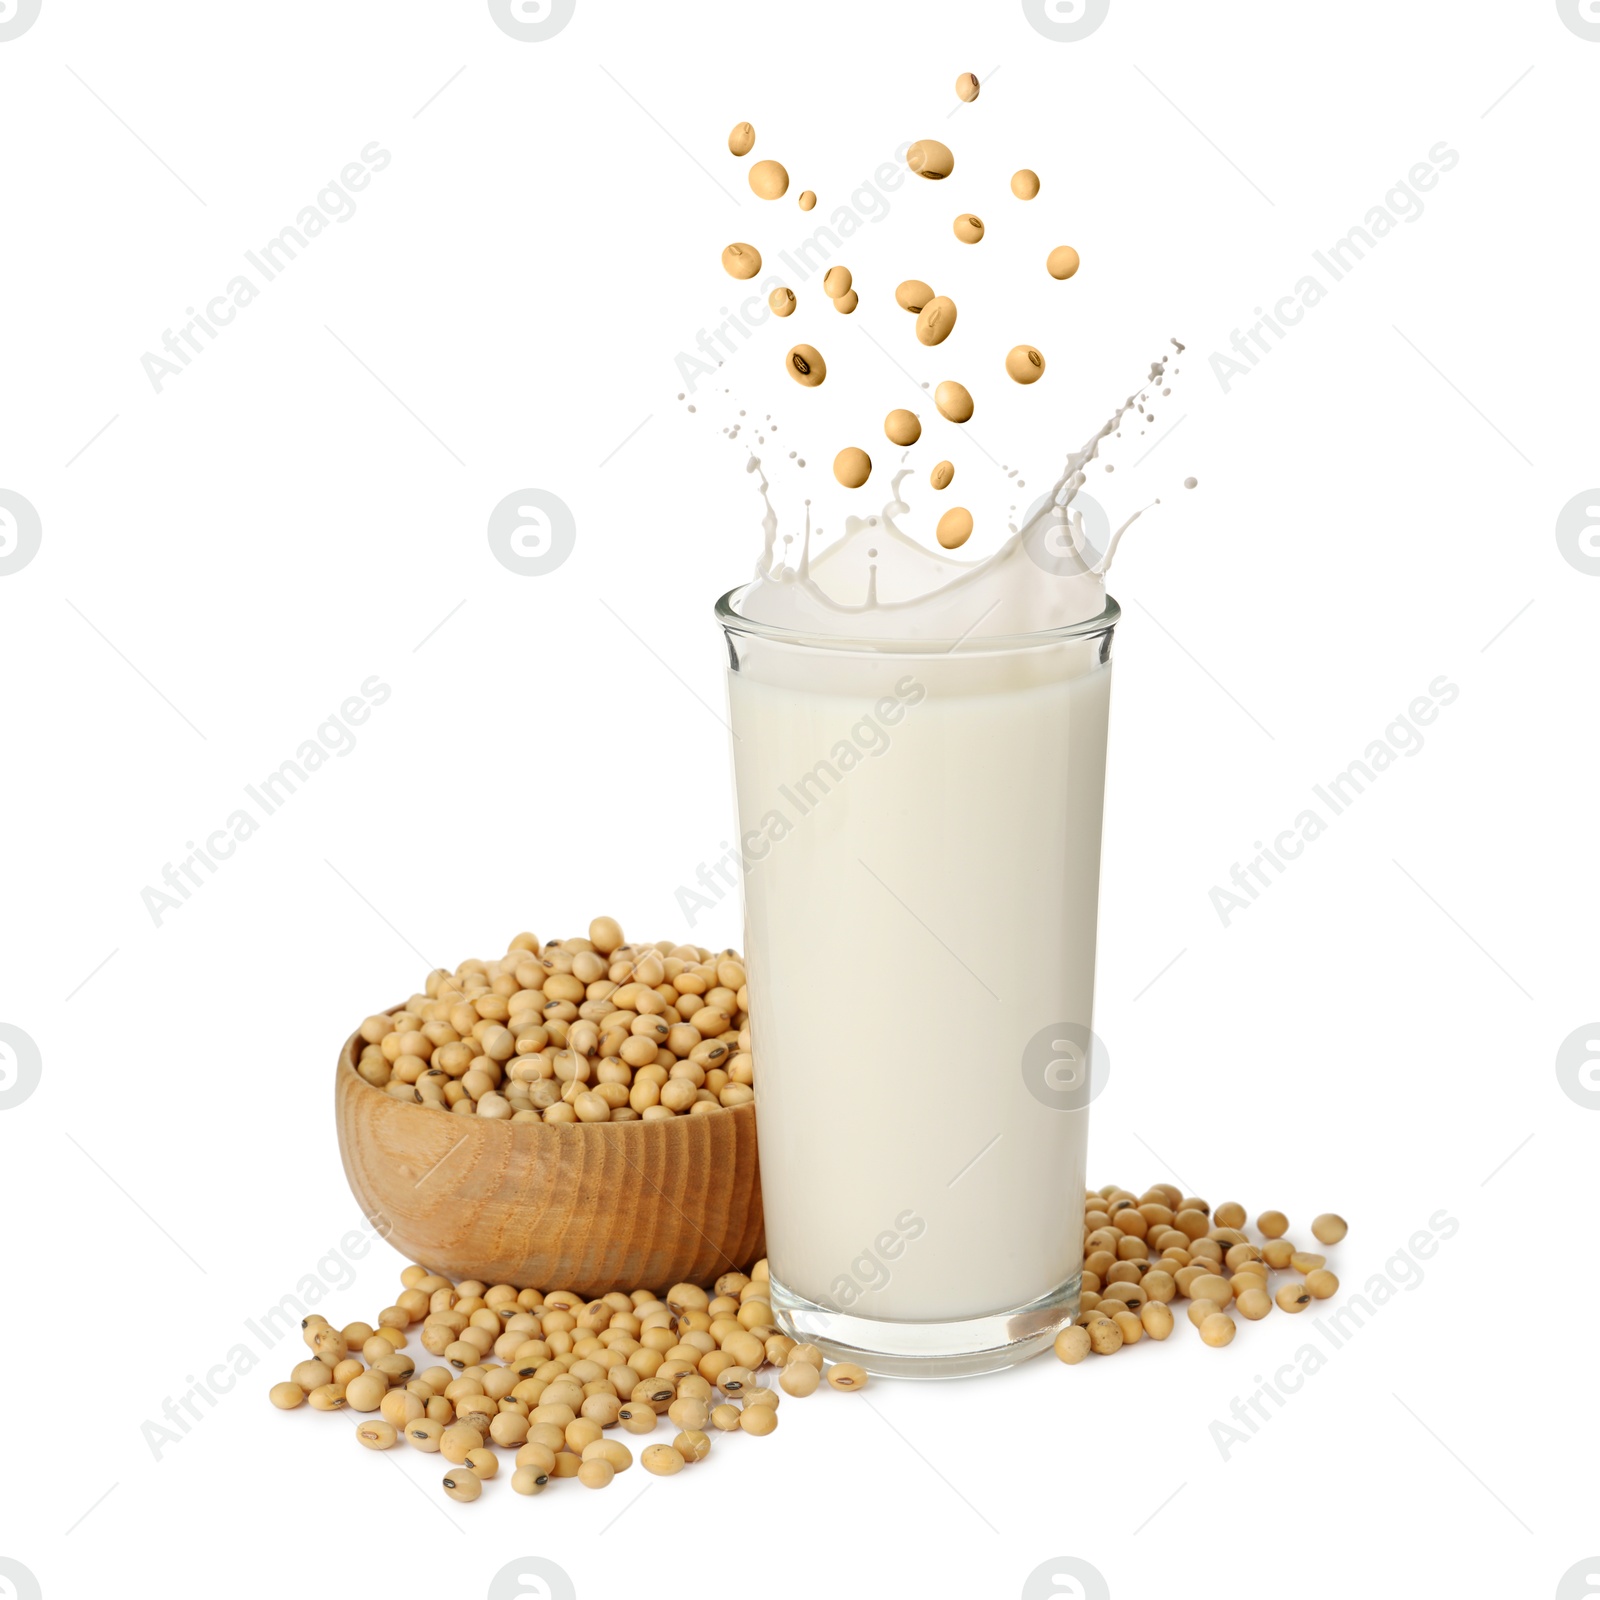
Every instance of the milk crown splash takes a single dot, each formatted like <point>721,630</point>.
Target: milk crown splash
<point>878,583</point>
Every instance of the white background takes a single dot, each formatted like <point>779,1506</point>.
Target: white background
<point>223,563</point>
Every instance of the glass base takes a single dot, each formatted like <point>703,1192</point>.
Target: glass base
<point>928,1349</point>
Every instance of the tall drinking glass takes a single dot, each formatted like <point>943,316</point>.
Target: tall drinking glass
<point>920,829</point>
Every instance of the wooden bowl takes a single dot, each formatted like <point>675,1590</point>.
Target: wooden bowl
<point>589,1207</point>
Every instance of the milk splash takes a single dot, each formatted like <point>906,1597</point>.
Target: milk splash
<point>878,583</point>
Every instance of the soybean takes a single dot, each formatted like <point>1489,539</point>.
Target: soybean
<point>463,1484</point>
<point>1072,1345</point>
<point>769,180</point>
<point>930,159</point>
<point>1062,262</point>
<point>693,1445</point>
<point>366,1392</point>
<point>1329,1228</point>
<point>311,1374</point>
<point>852,467</point>
<point>954,402</point>
<point>902,427</point>
<point>936,320</point>
<point>1024,364</point>
<point>913,295</point>
<point>1156,1319</point>
<point>806,365</point>
<point>1254,1304</point>
<point>612,1450</point>
<point>1293,1297</point>
<point>662,1460</point>
<point>954,528</point>
<point>739,261</point>
<point>457,1440</point>
<point>799,1378</point>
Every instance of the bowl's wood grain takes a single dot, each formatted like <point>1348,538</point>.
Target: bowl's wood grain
<point>587,1207</point>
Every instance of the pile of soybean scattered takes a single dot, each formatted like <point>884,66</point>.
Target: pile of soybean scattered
<point>1205,1258</point>
<point>566,1372</point>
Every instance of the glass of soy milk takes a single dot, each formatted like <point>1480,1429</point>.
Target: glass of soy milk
<point>919,816</point>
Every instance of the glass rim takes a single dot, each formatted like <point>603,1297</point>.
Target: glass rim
<point>979,644</point>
